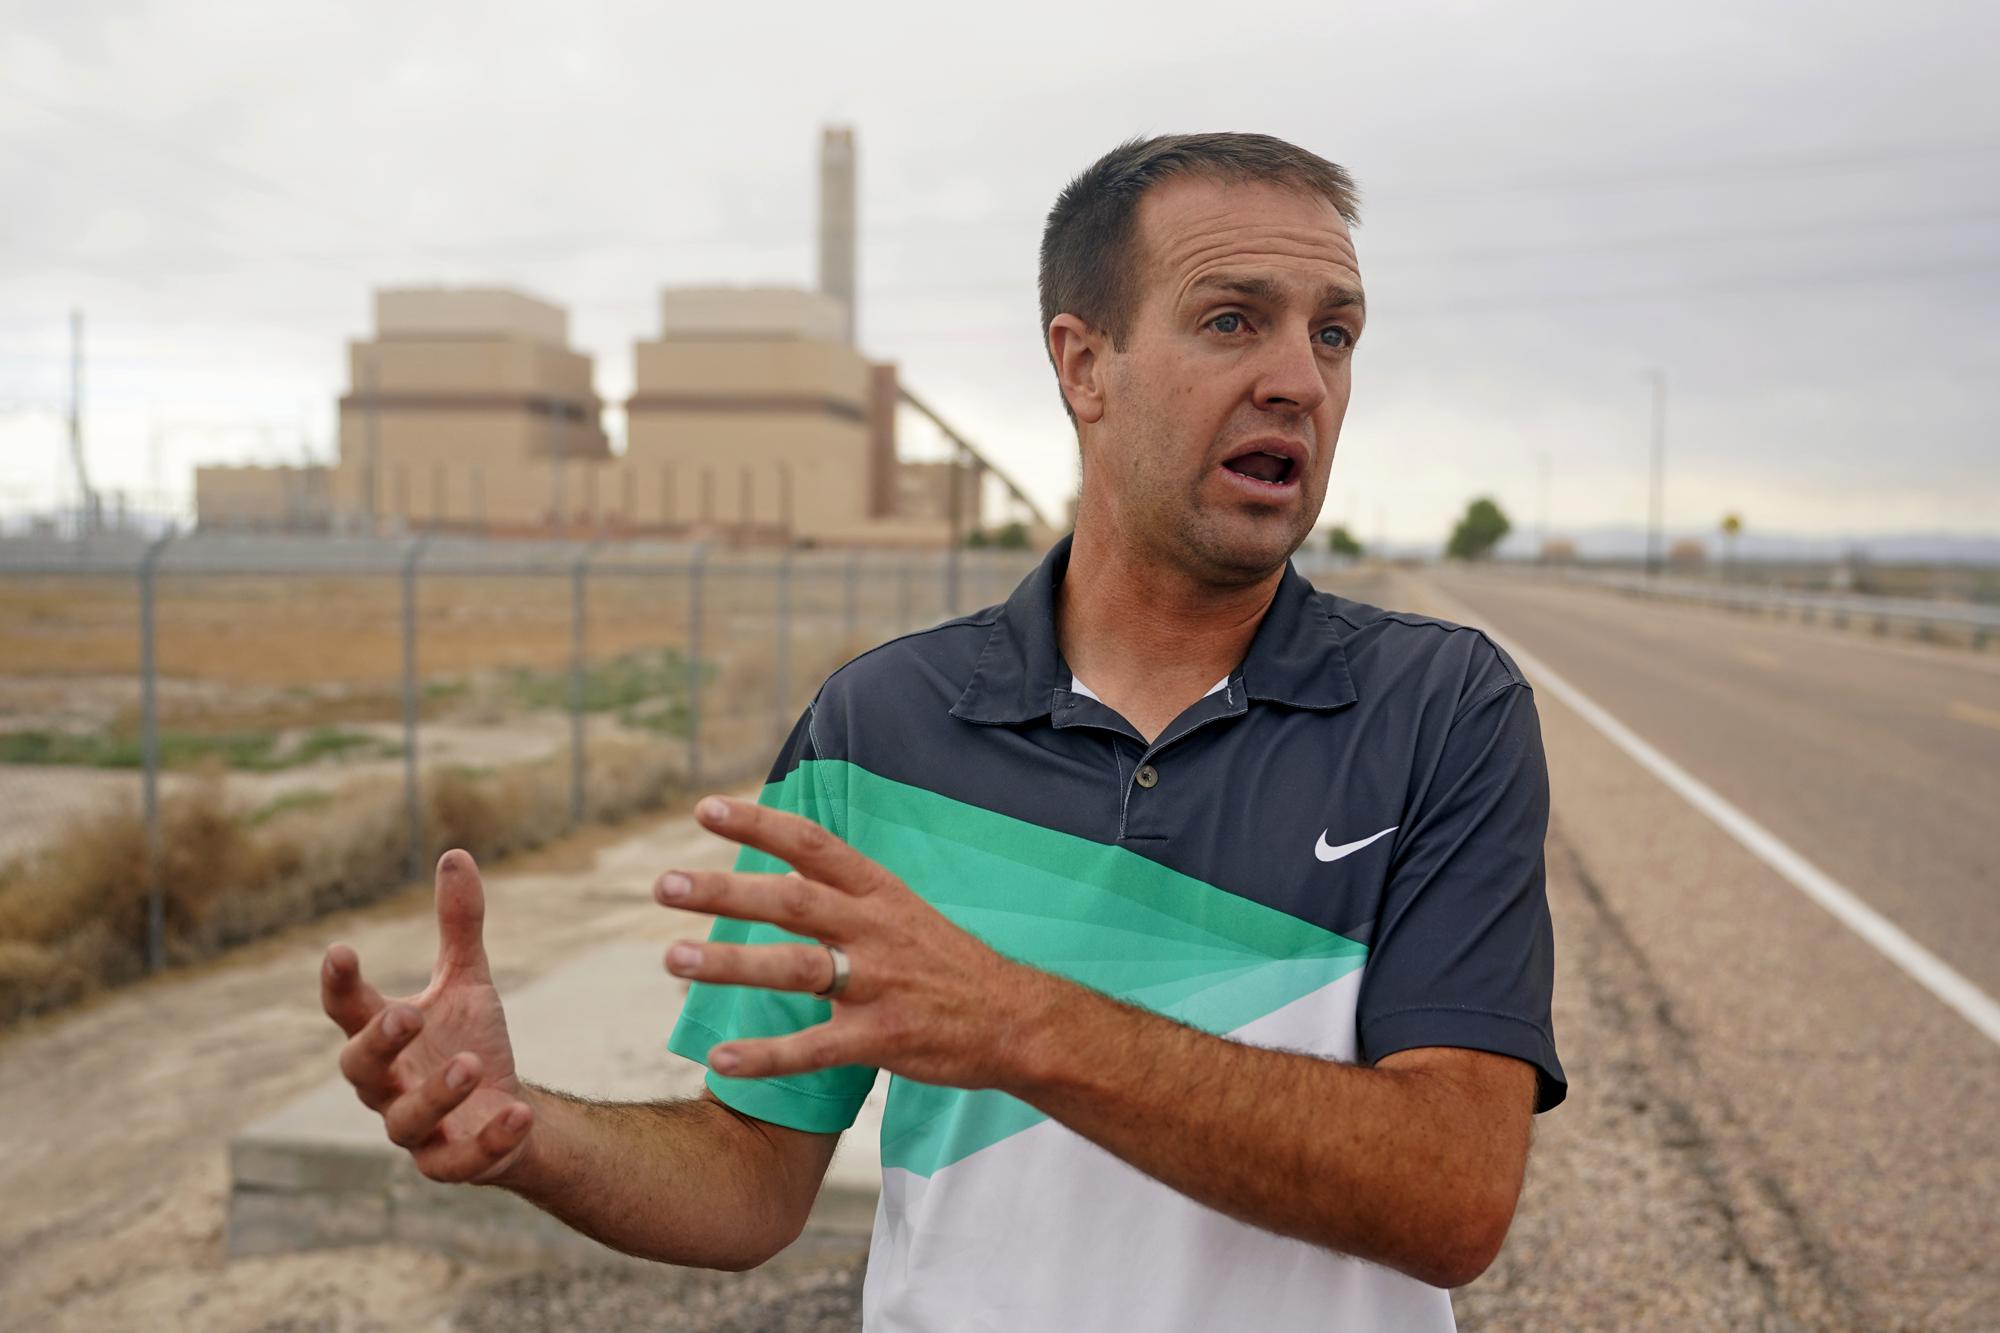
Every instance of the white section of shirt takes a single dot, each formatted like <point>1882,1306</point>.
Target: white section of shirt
<point>1076,686</point>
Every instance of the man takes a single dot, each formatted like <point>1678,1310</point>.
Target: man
<point>1197,916</point>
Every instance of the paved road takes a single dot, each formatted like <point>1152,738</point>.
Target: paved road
<point>1769,1125</point>
<point>1880,762</point>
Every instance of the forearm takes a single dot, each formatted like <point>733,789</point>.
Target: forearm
<point>1385,1164</point>
<point>682,1182</point>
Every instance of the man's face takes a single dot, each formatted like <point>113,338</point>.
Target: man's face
<point>1222,408</point>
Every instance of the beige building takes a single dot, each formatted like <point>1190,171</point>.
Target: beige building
<point>468,409</point>
<point>753,417</point>
<point>285,499</point>
<point>751,412</point>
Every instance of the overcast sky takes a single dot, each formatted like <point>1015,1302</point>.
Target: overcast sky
<point>1791,210</point>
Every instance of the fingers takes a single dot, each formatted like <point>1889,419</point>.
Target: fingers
<point>482,1155</point>
<point>347,999</point>
<point>790,902</point>
<point>367,1058</point>
<point>818,1047</point>
<point>795,840</point>
<point>461,914</point>
<point>413,1117</point>
<point>794,967</point>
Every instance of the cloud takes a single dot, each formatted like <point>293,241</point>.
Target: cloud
<point>1790,213</point>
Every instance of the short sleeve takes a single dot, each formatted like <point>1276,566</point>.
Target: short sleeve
<point>824,1101</point>
<point>1463,953</point>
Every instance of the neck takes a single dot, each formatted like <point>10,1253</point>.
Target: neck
<point>1149,637</point>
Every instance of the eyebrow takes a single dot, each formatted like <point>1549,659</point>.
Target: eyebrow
<point>1331,296</point>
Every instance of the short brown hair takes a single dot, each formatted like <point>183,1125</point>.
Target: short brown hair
<point>1089,249</point>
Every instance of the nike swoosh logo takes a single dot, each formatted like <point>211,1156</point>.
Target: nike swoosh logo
<point>1326,853</point>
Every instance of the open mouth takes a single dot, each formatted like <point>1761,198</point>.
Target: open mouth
<point>1271,469</point>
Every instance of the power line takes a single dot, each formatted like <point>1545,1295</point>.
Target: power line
<point>1686,239</point>
<point>1829,278</point>
<point>1531,301</point>
<point>240,176</point>
<point>1837,161</point>
<point>1391,259</point>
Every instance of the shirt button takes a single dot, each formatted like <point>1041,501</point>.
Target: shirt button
<point>1147,776</point>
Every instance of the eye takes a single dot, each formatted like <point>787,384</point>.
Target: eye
<point>1227,322</point>
<point>1340,337</point>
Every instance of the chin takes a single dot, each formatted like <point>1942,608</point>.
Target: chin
<point>1240,556</point>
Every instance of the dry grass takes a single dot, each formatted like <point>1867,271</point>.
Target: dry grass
<point>73,917</point>
<point>277,632</point>
<point>257,653</point>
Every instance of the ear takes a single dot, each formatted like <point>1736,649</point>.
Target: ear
<point>1078,352</point>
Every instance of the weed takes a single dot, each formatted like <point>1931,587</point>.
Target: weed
<point>284,805</point>
<point>242,751</point>
<point>73,916</point>
<point>618,684</point>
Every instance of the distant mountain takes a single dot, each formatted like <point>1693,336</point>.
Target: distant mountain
<point>1896,548</point>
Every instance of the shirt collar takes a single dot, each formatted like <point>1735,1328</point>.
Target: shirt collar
<point>1296,657</point>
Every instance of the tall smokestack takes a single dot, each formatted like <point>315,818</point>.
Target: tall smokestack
<point>836,218</point>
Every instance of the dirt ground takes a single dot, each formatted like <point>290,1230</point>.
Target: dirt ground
<point>114,1119</point>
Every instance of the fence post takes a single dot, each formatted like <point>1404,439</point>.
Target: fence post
<point>149,747</point>
<point>413,802</point>
<point>782,652</point>
<point>853,595</point>
<point>578,682</point>
<point>695,563</point>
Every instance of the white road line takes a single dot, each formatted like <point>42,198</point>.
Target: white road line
<point>1924,967</point>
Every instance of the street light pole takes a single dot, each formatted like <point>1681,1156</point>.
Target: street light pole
<point>86,499</point>
<point>1542,518</point>
<point>1656,495</point>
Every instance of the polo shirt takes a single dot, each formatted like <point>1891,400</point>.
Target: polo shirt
<point>1338,853</point>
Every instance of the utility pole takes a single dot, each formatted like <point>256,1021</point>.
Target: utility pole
<point>372,387</point>
<point>1542,467</point>
<point>86,499</point>
<point>557,479</point>
<point>1656,495</point>
<point>954,472</point>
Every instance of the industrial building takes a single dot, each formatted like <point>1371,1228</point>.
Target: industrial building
<point>753,418</point>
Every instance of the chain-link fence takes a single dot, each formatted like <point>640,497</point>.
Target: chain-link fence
<point>350,708</point>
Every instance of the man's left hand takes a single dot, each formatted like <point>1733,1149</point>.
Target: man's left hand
<point>924,999</point>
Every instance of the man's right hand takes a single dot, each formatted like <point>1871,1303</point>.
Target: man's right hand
<point>436,1065</point>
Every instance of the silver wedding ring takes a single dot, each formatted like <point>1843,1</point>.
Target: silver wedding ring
<point>840,972</point>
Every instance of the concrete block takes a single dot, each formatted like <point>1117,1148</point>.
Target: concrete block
<point>273,1222</point>
<point>320,1172</point>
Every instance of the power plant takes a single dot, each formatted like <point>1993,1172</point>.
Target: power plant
<point>753,418</point>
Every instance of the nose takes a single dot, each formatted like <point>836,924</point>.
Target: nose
<point>1289,380</point>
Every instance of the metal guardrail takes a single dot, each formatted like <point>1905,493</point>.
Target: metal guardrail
<point>1981,623</point>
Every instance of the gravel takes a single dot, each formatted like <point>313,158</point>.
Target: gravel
<point>780,1298</point>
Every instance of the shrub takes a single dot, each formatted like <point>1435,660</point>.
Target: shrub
<point>73,915</point>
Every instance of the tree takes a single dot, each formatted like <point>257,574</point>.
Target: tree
<point>1478,532</point>
<point>1007,537</point>
<point>1341,542</point>
<point>1732,528</point>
